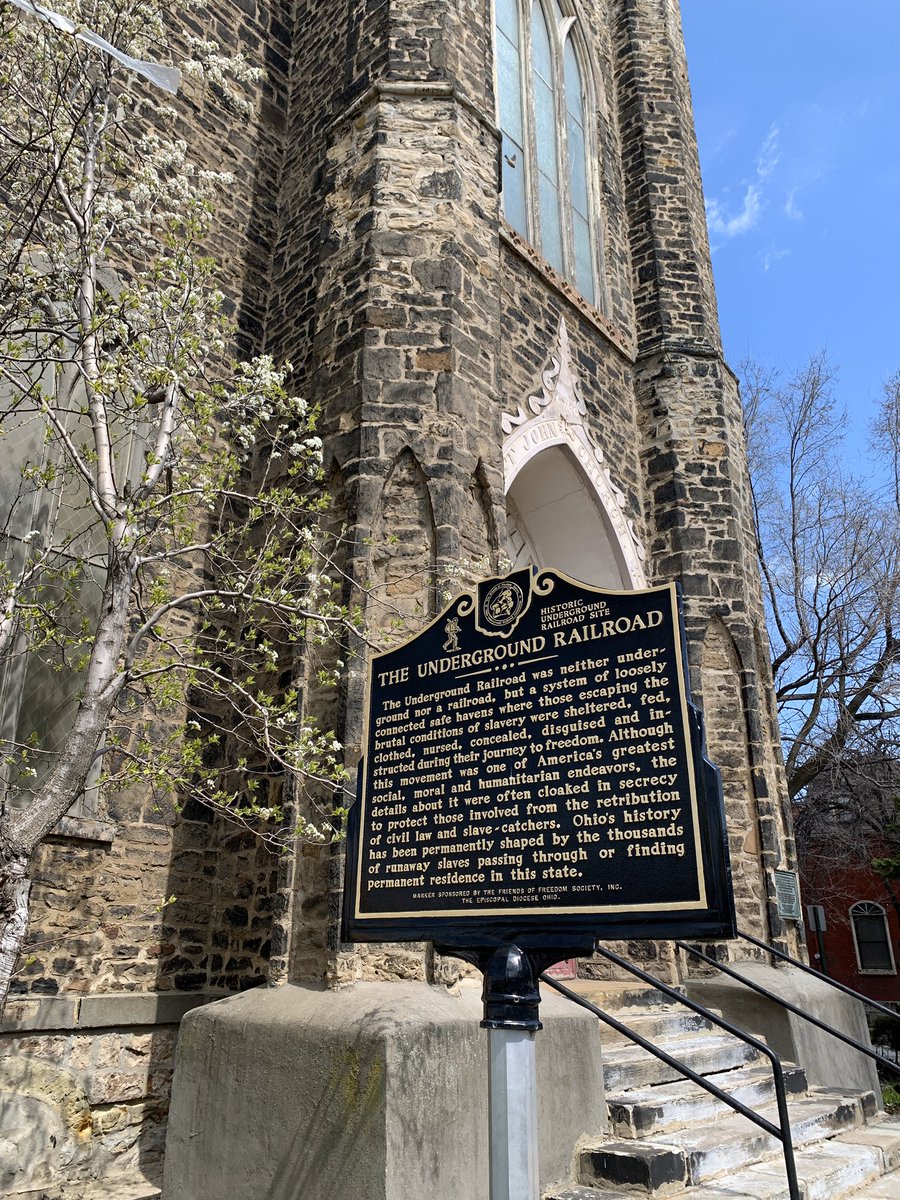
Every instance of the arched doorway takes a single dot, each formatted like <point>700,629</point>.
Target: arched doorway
<point>564,511</point>
<point>555,519</point>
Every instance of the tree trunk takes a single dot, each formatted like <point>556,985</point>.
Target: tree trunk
<point>15,887</point>
<point>22,832</point>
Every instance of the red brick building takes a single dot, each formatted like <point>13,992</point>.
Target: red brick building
<point>861,940</point>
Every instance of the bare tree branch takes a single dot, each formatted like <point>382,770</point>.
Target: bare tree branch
<point>829,548</point>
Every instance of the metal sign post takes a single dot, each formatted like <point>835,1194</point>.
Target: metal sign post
<point>511,997</point>
<point>512,1096</point>
<point>511,1000</point>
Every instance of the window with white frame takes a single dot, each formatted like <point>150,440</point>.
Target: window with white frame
<point>871,937</point>
<point>544,107</point>
<point>48,524</point>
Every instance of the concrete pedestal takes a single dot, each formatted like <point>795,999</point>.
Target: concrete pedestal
<point>373,1092</point>
<point>827,1061</point>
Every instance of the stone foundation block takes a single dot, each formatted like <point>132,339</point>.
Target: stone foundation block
<point>373,1092</point>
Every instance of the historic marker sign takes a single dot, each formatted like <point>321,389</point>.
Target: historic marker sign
<point>533,770</point>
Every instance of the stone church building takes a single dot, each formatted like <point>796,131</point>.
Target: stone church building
<point>477,230</point>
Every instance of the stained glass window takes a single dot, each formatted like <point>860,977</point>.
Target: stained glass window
<point>543,105</point>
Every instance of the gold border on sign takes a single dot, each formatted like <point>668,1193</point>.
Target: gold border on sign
<point>543,586</point>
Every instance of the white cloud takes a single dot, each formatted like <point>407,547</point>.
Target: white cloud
<point>772,256</point>
<point>747,217</point>
<point>768,158</point>
<point>791,209</point>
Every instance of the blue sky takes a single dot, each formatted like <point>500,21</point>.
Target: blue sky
<point>797,105</point>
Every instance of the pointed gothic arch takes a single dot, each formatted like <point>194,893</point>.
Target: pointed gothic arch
<point>563,509</point>
<point>724,706</point>
<point>404,539</point>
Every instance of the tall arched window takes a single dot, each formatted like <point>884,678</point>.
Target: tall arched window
<point>871,937</point>
<point>544,105</point>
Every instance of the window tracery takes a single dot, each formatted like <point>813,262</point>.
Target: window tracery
<point>544,105</point>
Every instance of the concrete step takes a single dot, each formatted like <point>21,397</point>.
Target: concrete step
<point>860,1164</point>
<point>648,1112</point>
<point>886,1188</point>
<point>612,997</point>
<point>657,1025</point>
<point>686,1157</point>
<point>824,1172</point>
<point>848,1165</point>
<point>574,1191</point>
<point>882,1132</point>
<point>628,1066</point>
<point>820,1176</point>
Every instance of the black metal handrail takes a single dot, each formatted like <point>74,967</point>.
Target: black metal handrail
<point>782,1131</point>
<point>791,1008</point>
<point>835,983</point>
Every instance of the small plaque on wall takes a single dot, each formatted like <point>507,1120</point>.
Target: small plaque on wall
<point>787,895</point>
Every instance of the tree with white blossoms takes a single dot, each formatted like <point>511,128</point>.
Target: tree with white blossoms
<point>163,545</point>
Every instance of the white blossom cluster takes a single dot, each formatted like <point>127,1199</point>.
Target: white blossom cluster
<point>193,477</point>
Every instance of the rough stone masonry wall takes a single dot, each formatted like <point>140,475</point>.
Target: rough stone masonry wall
<point>694,458</point>
<point>336,50</point>
<point>108,970</point>
<point>397,338</point>
<point>139,902</point>
<point>84,1101</point>
<point>415,277</point>
<point>101,932</point>
<point>419,463</point>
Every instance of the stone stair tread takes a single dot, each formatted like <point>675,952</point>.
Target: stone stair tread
<point>574,1191</point>
<point>629,1066</point>
<point>867,1100</point>
<point>681,1089</point>
<point>805,1117</point>
<point>660,1012</point>
<point>656,1024</point>
<point>885,1188</point>
<point>612,997</point>
<point>700,1154</point>
<point>883,1134</point>
<point>649,1111</point>
<point>824,1172</point>
<point>691,1042</point>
